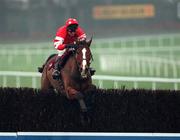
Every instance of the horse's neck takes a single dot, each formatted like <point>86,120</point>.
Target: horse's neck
<point>71,66</point>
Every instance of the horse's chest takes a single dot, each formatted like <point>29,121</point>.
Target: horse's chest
<point>80,84</point>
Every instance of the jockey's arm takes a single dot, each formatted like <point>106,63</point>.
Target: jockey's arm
<point>59,39</point>
<point>58,44</point>
<point>81,34</point>
<point>82,37</point>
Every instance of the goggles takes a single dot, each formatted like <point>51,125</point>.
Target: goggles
<point>72,28</point>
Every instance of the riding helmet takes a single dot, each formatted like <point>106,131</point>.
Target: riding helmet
<point>72,24</point>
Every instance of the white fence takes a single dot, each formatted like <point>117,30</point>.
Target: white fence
<point>140,61</point>
<point>154,56</point>
<point>100,78</point>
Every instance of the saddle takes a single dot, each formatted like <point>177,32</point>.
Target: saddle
<point>40,69</point>
<point>51,65</point>
<point>52,62</point>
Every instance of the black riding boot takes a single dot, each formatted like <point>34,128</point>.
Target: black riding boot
<point>57,68</point>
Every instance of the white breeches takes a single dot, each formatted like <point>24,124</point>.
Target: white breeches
<point>61,52</point>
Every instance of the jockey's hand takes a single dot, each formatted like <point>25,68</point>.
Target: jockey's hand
<point>71,46</point>
<point>82,39</point>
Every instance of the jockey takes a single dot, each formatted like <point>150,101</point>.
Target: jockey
<point>65,38</point>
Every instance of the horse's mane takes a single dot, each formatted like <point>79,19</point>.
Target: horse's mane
<point>80,43</point>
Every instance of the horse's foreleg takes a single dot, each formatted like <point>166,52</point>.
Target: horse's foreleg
<point>82,105</point>
<point>74,94</point>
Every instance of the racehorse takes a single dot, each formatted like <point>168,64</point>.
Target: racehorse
<point>75,76</point>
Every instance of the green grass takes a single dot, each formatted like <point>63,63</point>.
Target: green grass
<point>123,52</point>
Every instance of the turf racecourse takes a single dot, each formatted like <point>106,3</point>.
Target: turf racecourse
<point>120,110</point>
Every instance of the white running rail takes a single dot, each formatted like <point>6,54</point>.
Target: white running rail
<point>100,78</point>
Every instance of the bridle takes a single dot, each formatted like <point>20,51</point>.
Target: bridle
<point>85,61</point>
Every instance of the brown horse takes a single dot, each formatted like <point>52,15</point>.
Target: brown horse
<point>75,75</point>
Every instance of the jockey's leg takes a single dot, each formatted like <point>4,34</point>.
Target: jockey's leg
<point>57,68</point>
<point>59,63</point>
<point>56,73</point>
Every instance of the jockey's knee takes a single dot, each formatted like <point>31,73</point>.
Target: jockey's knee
<point>60,52</point>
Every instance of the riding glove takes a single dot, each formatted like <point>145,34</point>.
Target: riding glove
<point>74,46</point>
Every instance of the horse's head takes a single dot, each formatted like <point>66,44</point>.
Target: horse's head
<point>84,57</point>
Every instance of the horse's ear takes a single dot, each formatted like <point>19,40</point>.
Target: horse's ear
<point>89,42</point>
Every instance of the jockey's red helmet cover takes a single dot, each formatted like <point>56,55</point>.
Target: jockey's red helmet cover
<point>71,21</point>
